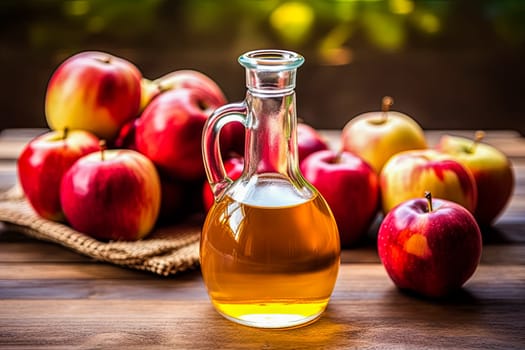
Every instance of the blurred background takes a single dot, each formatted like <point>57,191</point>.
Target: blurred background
<point>455,64</point>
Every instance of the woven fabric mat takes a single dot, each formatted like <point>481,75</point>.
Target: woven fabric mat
<point>166,251</point>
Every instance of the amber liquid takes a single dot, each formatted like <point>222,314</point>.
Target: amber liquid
<point>271,266</point>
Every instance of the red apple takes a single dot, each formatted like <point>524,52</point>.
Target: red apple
<point>93,91</point>
<point>234,167</point>
<point>350,187</point>
<point>169,132</point>
<point>431,247</point>
<point>309,141</point>
<point>232,135</point>
<point>44,161</point>
<point>376,136</point>
<point>491,169</point>
<point>112,195</point>
<point>408,174</point>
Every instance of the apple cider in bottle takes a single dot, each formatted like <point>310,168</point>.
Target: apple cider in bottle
<point>270,247</point>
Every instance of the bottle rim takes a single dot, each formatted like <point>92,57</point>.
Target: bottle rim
<point>271,59</point>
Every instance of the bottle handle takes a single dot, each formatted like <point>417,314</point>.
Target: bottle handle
<point>211,153</point>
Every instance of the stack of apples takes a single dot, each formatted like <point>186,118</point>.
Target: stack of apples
<point>152,132</point>
<point>429,246</point>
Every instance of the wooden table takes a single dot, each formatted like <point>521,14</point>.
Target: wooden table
<point>52,298</point>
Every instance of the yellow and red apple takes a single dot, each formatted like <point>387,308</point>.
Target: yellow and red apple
<point>376,136</point>
<point>491,169</point>
<point>190,79</point>
<point>44,161</point>
<point>429,246</point>
<point>408,174</point>
<point>179,79</point>
<point>112,195</point>
<point>93,91</point>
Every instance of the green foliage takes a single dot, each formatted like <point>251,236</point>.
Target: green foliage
<point>386,25</point>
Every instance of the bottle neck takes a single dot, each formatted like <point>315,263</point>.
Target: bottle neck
<point>271,144</point>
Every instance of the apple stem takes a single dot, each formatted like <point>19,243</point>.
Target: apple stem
<point>64,133</point>
<point>428,196</point>
<point>478,136</point>
<point>386,103</point>
<point>103,147</point>
<point>161,87</point>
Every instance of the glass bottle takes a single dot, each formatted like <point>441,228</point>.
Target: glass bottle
<point>269,247</point>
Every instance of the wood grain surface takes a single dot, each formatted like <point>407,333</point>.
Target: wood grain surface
<point>53,298</point>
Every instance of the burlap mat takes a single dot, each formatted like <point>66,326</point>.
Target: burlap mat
<point>165,251</point>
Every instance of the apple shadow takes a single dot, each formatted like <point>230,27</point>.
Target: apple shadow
<point>449,321</point>
<point>503,233</point>
<point>460,296</point>
<point>430,319</point>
